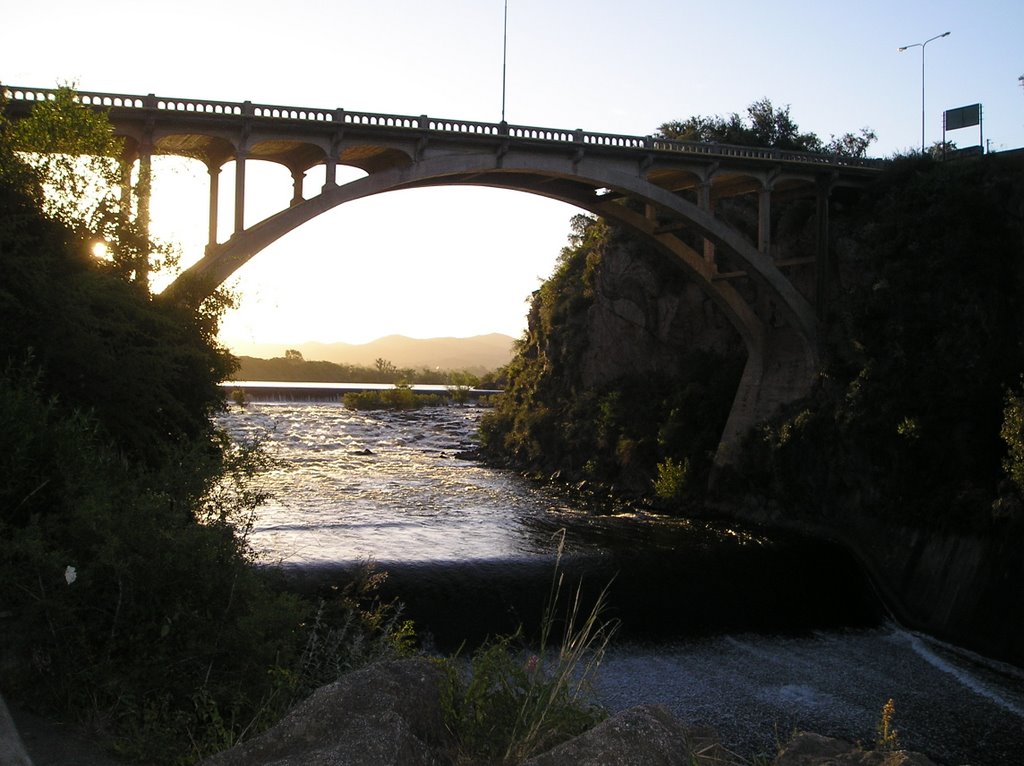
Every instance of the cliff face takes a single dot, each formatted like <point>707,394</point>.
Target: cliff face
<point>625,367</point>
<point>645,319</point>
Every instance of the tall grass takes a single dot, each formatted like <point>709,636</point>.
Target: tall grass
<point>514,703</point>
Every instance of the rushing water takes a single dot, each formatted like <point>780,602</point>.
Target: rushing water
<point>753,635</point>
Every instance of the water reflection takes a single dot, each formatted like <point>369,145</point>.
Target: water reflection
<point>388,485</point>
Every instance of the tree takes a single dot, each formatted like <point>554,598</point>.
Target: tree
<point>72,165</point>
<point>850,144</point>
<point>293,356</point>
<point>148,369</point>
<point>764,125</point>
<point>113,469</point>
<point>774,127</point>
<point>385,367</point>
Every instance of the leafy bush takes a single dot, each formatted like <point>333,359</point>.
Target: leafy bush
<point>401,397</point>
<point>139,607</point>
<point>1012,432</point>
<point>672,479</point>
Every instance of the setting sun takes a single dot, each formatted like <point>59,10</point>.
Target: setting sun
<point>101,251</point>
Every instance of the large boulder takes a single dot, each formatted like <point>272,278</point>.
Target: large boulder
<point>12,751</point>
<point>388,714</point>
<point>806,749</point>
<point>648,735</point>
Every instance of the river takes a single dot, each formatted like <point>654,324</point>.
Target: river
<point>751,634</point>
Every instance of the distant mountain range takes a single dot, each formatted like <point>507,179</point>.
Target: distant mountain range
<point>481,353</point>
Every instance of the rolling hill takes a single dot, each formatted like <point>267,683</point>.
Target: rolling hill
<point>481,352</point>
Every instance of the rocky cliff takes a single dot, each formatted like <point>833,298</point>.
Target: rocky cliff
<point>645,317</point>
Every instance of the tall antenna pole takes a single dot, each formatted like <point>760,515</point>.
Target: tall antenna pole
<point>504,61</point>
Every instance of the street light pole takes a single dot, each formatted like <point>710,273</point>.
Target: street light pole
<point>921,46</point>
<point>505,54</point>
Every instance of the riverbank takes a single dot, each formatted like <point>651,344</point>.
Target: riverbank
<point>754,691</point>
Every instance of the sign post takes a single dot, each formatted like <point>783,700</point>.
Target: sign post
<point>962,117</point>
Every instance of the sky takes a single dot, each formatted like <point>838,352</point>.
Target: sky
<point>464,261</point>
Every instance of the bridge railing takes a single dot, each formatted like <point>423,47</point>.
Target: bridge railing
<point>247,109</point>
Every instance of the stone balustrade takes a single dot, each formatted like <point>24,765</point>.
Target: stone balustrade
<point>248,110</point>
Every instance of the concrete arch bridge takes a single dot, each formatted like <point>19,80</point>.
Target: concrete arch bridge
<point>664,191</point>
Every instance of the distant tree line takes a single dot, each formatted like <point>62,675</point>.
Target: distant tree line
<point>292,367</point>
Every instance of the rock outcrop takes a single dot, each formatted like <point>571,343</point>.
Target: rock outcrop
<point>807,749</point>
<point>385,714</point>
<point>12,751</point>
<point>389,714</point>
<point>643,318</point>
<point>648,735</point>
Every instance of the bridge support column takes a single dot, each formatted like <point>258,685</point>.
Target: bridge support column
<point>240,191</point>
<point>143,194</point>
<point>823,264</point>
<point>764,220</point>
<point>330,174</point>
<point>780,369</point>
<point>297,176</point>
<point>125,166</point>
<point>704,203</point>
<point>214,171</point>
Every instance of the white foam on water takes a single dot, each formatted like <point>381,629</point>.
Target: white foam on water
<point>966,679</point>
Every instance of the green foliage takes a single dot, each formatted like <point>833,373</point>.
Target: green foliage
<point>1012,432</point>
<point>72,167</point>
<point>162,602</point>
<point>146,368</point>
<point>72,153</point>
<point>514,704</point>
<point>548,420</point>
<point>135,602</point>
<point>386,369</point>
<point>401,397</point>
<point>764,125</point>
<point>924,344</point>
<point>672,480</point>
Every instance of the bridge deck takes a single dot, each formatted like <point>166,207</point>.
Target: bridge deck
<point>194,125</point>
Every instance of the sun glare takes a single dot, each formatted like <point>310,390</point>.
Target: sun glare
<point>101,251</point>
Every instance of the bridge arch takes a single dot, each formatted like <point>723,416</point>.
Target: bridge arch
<point>782,356</point>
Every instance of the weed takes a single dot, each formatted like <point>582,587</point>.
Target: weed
<point>672,480</point>
<point>514,703</point>
<point>888,737</point>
